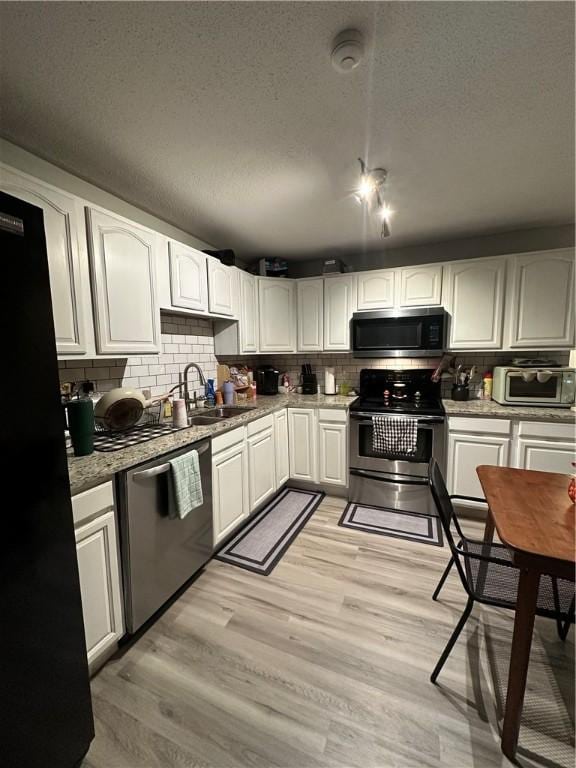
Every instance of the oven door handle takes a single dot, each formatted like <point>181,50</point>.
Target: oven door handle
<point>424,419</point>
<point>381,478</point>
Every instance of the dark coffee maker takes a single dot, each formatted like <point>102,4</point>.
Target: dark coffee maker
<point>267,380</point>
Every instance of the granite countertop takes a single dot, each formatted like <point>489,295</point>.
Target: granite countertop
<point>88,471</point>
<point>489,408</point>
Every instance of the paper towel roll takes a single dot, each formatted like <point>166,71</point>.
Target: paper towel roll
<point>572,360</point>
<point>329,381</point>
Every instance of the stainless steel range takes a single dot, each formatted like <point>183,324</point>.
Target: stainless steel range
<point>385,479</point>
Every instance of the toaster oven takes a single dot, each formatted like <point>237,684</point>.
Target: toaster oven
<point>552,387</point>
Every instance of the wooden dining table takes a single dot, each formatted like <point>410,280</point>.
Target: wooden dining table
<point>534,518</point>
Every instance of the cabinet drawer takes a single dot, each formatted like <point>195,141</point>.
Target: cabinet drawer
<point>547,430</point>
<point>332,414</point>
<point>260,424</point>
<point>221,442</point>
<point>92,502</point>
<point>479,426</point>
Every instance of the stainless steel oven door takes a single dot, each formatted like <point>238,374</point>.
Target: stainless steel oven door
<point>400,492</point>
<point>430,442</point>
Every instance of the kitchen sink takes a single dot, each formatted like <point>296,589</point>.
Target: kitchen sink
<point>196,421</point>
<point>226,411</point>
<point>214,415</point>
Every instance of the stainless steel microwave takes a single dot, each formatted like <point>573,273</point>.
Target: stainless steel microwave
<point>554,387</point>
<point>419,332</point>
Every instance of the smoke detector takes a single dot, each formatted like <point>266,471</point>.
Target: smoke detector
<point>347,50</point>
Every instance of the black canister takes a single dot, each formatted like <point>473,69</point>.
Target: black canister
<point>81,426</point>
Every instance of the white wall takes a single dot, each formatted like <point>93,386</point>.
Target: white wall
<point>35,166</point>
<point>518,241</point>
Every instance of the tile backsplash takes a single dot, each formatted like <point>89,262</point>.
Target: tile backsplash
<point>184,340</point>
<point>347,368</point>
<point>191,339</point>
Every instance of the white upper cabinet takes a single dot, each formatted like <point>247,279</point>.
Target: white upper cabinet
<point>339,305</point>
<point>123,257</point>
<point>248,313</point>
<point>277,304</point>
<point>188,277</point>
<point>541,300</point>
<point>421,286</point>
<point>222,288</point>
<point>475,300</point>
<point>377,289</point>
<point>310,295</point>
<point>67,263</point>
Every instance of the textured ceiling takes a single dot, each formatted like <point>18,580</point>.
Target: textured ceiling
<point>227,119</point>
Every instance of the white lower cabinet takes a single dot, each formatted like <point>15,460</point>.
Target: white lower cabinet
<point>471,443</point>
<point>98,566</point>
<point>230,504</point>
<point>303,444</point>
<point>261,461</point>
<point>332,449</point>
<point>281,447</point>
<point>546,447</point>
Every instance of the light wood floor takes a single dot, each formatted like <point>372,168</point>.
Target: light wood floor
<point>326,663</point>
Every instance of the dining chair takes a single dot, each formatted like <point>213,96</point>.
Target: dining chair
<point>487,572</point>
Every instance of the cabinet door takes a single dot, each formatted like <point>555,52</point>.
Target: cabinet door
<point>261,467</point>
<point>221,288</point>
<point>476,290</point>
<point>188,277</point>
<point>62,223</point>
<point>248,313</point>
<point>333,466</point>
<point>541,302</point>
<point>376,289</point>
<point>123,258</point>
<point>339,305</point>
<point>229,490</point>
<point>277,314</point>
<point>421,286</point>
<point>281,447</point>
<point>546,455</point>
<point>97,552</point>
<point>310,315</point>
<point>466,452</point>
<point>302,441</point>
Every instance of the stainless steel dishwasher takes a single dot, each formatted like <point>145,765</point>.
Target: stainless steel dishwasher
<point>160,554</point>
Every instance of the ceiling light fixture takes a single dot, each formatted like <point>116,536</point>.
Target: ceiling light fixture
<point>369,192</point>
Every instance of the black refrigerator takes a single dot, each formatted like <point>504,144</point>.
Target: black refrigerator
<point>46,712</point>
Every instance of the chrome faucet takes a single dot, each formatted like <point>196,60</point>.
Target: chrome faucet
<point>202,378</point>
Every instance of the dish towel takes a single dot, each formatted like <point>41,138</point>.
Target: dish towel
<point>393,435</point>
<point>184,485</point>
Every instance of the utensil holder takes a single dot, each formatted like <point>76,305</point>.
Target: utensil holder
<point>460,392</point>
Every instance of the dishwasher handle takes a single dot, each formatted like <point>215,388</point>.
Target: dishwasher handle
<point>163,468</point>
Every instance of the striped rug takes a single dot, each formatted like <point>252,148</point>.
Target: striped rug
<point>262,542</point>
<point>390,522</point>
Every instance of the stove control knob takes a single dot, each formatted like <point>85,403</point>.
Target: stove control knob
<point>417,395</point>
<point>386,394</point>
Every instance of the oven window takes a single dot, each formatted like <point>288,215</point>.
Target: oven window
<point>423,445</point>
<point>529,390</point>
<point>392,333</point>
